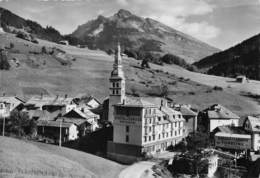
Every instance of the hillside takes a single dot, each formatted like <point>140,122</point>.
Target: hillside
<point>32,160</point>
<point>242,59</point>
<point>88,72</point>
<point>137,33</point>
<point>11,22</point>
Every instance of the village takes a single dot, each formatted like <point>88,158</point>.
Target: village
<point>139,128</point>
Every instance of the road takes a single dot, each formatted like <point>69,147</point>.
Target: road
<point>136,170</point>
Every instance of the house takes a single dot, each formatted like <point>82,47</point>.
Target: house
<point>88,101</point>
<point>217,115</point>
<point>64,42</point>
<point>50,103</point>
<point>252,125</point>
<point>190,117</point>
<point>52,129</point>
<point>242,138</point>
<point>233,141</point>
<point>140,126</point>
<point>242,79</point>
<point>85,121</point>
<point>8,104</point>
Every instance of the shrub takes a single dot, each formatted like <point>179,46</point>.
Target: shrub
<point>145,64</point>
<point>19,123</point>
<point>164,90</point>
<point>11,45</point>
<point>217,88</point>
<point>44,51</point>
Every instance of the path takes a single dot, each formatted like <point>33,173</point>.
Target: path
<point>136,170</point>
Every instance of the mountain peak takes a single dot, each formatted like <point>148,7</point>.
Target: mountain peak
<point>122,13</point>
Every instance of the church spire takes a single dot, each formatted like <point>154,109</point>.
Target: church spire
<point>118,59</point>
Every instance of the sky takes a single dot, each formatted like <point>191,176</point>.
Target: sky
<point>220,23</point>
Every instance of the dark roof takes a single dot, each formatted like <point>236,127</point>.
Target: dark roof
<point>75,121</point>
<point>54,124</point>
<point>185,111</point>
<point>230,130</point>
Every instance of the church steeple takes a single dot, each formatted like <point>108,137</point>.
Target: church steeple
<point>117,66</point>
<point>117,84</point>
<point>118,59</point>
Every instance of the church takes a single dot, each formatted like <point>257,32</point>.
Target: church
<point>141,125</point>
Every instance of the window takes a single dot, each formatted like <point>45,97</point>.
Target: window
<point>117,85</point>
<point>159,136</point>
<point>127,128</point>
<point>127,138</point>
<point>145,139</point>
<point>159,118</point>
<point>114,85</point>
<point>149,138</point>
<point>153,137</point>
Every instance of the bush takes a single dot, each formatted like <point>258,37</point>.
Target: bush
<point>44,51</point>
<point>19,123</point>
<point>217,88</point>
<point>131,53</point>
<point>11,45</point>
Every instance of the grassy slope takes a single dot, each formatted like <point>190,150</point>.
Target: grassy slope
<point>91,70</point>
<point>29,159</point>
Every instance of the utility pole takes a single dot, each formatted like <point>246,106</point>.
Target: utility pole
<point>60,133</point>
<point>3,126</point>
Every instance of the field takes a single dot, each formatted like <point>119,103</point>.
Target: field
<point>90,70</point>
<point>32,160</point>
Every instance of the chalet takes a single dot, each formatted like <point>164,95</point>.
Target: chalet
<point>252,125</point>
<point>190,117</point>
<point>242,79</point>
<point>52,129</point>
<point>50,103</point>
<point>217,115</point>
<point>244,138</point>
<point>85,121</point>
<point>64,42</point>
<point>8,104</point>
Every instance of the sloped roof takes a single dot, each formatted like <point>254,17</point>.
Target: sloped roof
<point>85,114</point>
<point>136,102</point>
<point>255,123</point>
<point>54,124</point>
<point>11,99</point>
<point>187,111</point>
<point>218,111</point>
<point>223,134</point>
<point>35,113</point>
<point>49,116</point>
<point>49,100</point>
<point>230,129</point>
<point>72,120</point>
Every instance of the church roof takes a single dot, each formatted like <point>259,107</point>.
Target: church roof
<point>136,102</point>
